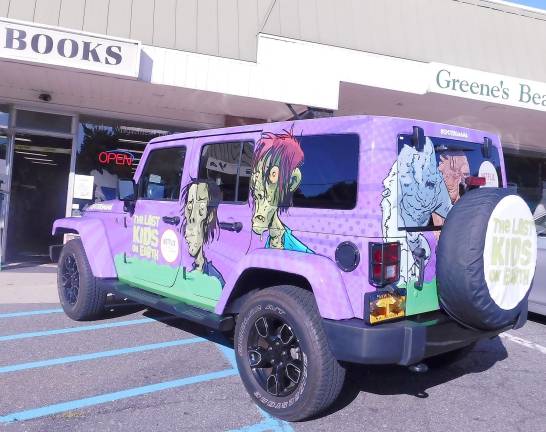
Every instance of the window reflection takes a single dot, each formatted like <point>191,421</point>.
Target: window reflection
<point>526,176</point>
<point>4,117</point>
<point>108,151</point>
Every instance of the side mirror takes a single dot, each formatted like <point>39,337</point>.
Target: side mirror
<point>127,192</point>
<point>418,138</point>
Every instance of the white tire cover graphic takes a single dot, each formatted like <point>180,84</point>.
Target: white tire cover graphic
<point>510,252</point>
<point>485,259</point>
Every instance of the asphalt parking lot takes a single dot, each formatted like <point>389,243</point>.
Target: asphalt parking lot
<point>138,370</point>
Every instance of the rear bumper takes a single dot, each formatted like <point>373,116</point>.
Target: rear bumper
<point>402,342</point>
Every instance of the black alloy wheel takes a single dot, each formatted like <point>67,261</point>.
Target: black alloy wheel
<point>274,355</point>
<point>283,355</point>
<point>79,293</point>
<point>70,279</point>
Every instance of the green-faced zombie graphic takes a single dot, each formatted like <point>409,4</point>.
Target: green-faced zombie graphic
<point>200,223</point>
<point>276,175</point>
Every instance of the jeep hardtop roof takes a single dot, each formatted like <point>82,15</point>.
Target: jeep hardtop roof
<point>288,123</point>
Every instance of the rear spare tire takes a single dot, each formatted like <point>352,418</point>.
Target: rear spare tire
<point>486,259</point>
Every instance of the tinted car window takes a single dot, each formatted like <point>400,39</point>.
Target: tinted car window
<point>245,171</point>
<point>162,174</point>
<point>425,199</point>
<point>228,165</point>
<point>329,172</point>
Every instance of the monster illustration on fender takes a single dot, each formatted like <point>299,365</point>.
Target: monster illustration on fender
<point>414,191</point>
<point>275,177</point>
<point>200,225</point>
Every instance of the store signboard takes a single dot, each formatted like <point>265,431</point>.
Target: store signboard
<point>485,86</point>
<point>49,45</point>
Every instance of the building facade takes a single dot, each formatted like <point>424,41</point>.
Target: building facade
<point>85,84</point>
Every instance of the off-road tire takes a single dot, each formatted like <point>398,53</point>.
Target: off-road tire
<point>322,376</point>
<point>450,357</point>
<point>90,298</point>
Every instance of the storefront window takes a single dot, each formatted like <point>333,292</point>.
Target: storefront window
<point>526,175</point>
<point>107,151</point>
<point>46,122</point>
<point>4,116</point>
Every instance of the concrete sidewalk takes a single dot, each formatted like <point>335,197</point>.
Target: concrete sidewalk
<point>33,284</point>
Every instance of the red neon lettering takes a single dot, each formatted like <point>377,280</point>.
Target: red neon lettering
<point>103,157</point>
<point>117,158</point>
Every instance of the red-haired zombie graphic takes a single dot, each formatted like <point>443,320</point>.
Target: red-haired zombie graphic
<point>276,175</point>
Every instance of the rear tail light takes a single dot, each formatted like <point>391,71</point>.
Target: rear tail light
<point>384,263</point>
<point>475,181</point>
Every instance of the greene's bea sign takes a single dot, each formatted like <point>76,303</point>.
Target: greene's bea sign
<point>473,84</point>
<point>50,45</point>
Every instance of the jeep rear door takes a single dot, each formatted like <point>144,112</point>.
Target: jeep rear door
<point>431,180</point>
<point>225,161</point>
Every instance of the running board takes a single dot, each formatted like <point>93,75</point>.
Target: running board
<point>171,306</point>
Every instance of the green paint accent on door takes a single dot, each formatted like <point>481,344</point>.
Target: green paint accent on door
<point>421,300</point>
<point>196,289</point>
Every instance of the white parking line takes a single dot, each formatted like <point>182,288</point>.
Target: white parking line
<point>524,342</point>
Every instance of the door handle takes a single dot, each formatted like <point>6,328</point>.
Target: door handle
<point>231,226</point>
<point>171,220</point>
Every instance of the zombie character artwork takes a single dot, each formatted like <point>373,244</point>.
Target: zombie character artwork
<point>275,176</point>
<point>455,169</point>
<point>200,223</point>
<point>414,190</point>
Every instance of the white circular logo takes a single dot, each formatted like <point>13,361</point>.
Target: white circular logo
<point>169,245</point>
<point>510,252</point>
<point>487,170</point>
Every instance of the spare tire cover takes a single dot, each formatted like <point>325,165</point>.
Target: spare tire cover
<point>486,259</point>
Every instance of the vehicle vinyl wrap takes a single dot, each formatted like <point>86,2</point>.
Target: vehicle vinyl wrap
<point>420,189</point>
<point>274,231</point>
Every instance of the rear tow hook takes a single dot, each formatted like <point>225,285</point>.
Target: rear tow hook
<point>418,368</point>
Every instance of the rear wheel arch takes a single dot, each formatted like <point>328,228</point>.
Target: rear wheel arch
<point>256,279</point>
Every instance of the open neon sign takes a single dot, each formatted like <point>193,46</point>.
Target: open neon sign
<point>116,157</point>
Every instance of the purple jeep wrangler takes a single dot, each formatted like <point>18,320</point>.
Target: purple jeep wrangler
<point>369,240</point>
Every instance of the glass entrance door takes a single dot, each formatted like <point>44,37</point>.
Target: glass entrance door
<point>4,178</point>
<point>39,184</point>
<point>4,190</point>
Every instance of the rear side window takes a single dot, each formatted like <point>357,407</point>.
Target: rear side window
<point>228,164</point>
<point>329,172</point>
<point>162,174</point>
